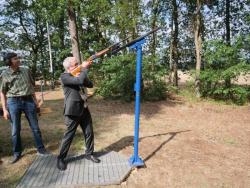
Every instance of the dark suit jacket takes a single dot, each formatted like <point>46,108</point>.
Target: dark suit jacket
<point>73,103</point>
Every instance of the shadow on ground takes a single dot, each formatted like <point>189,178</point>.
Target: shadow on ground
<point>129,141</point>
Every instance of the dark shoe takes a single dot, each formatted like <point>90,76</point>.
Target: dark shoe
<point>92,158</point>
<point>15,159</point>
<point>42,152</point>
<point>61,165</point>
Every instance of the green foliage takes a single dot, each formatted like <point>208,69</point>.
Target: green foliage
<point>118,78</point>
<point>224,66</point>
<point>154,85</point>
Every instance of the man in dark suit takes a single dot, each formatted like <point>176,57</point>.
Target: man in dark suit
<point>75,112</point>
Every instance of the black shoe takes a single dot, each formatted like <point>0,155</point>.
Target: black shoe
<point>92,158</point>
<point>15,159</point>
<point>42,152</point>
<point>61,165</point>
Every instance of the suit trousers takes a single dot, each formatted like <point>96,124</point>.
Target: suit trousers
<point>72,122</point>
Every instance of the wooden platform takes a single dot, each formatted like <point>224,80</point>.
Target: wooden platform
<point>112,169</point>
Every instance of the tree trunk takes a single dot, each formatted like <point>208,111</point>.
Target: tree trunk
<point>198,45</point>
<point>34,62</point>
<point>61,29</point>
<point>135,8</point>
<point>171,52</point>
<point>153,25</point>
<point>73,31</point>
<point>227,20</point>
<point>175,42</point>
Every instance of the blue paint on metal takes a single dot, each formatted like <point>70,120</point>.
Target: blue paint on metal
<point>135,160</point>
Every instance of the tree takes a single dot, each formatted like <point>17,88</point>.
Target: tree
<point>174,56</point>
<point>227,21</point>
<point>197,26</point>
<point>73,31</point>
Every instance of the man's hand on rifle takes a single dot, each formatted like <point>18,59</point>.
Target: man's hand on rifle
<point>86,64</point>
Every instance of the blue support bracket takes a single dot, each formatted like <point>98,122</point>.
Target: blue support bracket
<point>135,160</point>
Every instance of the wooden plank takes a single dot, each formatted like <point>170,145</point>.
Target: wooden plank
<point>91,172</point>
<point>78,168</point>
<point>70,173</point>
<point>65,175</point>
<point>111,167</point>
<point>47,176</point>
<point>86,172</point>
<point>28,175</point>
<point>125,167</point>
<point>102,171</point>
<point>43,172</point>
<point>107,169</point>
<point>60,177</point>
<point>55,175</point>
<point>36,171</point>
<point>76,172</point>
<point>81,172</point>
<point>52,174</point>
<point>118,166</point>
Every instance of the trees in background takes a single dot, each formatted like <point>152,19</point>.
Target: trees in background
<point>211,37</point>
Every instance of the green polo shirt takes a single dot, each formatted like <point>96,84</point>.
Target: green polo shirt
<point>17,83</point>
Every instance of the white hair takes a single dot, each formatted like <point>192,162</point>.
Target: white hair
<point>67,62</point>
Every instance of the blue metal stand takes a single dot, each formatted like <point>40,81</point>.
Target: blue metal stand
<point>135,160</point>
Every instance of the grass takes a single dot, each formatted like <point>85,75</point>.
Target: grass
<point>230,141</point>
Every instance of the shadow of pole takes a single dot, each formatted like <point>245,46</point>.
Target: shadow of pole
<point>125,142</point>
<point>173,134</point>
<point>128,141</point>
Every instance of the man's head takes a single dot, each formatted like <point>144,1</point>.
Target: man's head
<point>70,63</point>
<point>11,59</point>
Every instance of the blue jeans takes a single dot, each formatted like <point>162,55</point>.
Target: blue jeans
<point>16,106</point>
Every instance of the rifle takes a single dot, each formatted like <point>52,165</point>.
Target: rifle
<point>99,54</point>
<point>114,49</point>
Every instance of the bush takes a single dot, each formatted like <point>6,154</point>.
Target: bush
<point>116,79</point>
<point>224,65</point>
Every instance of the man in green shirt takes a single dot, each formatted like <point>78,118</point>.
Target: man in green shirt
<point>17,96</point>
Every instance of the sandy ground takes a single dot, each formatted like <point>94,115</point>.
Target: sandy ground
<point>183,144</point>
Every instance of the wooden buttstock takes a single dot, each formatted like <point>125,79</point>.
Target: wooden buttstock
<point>76,71</point>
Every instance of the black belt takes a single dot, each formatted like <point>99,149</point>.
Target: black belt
<point>26,97</point>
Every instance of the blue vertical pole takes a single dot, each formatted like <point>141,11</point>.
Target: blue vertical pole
<point>135,160</point>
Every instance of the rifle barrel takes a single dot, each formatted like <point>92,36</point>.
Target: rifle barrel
<point>137,39</point>
<point>110,48</point>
